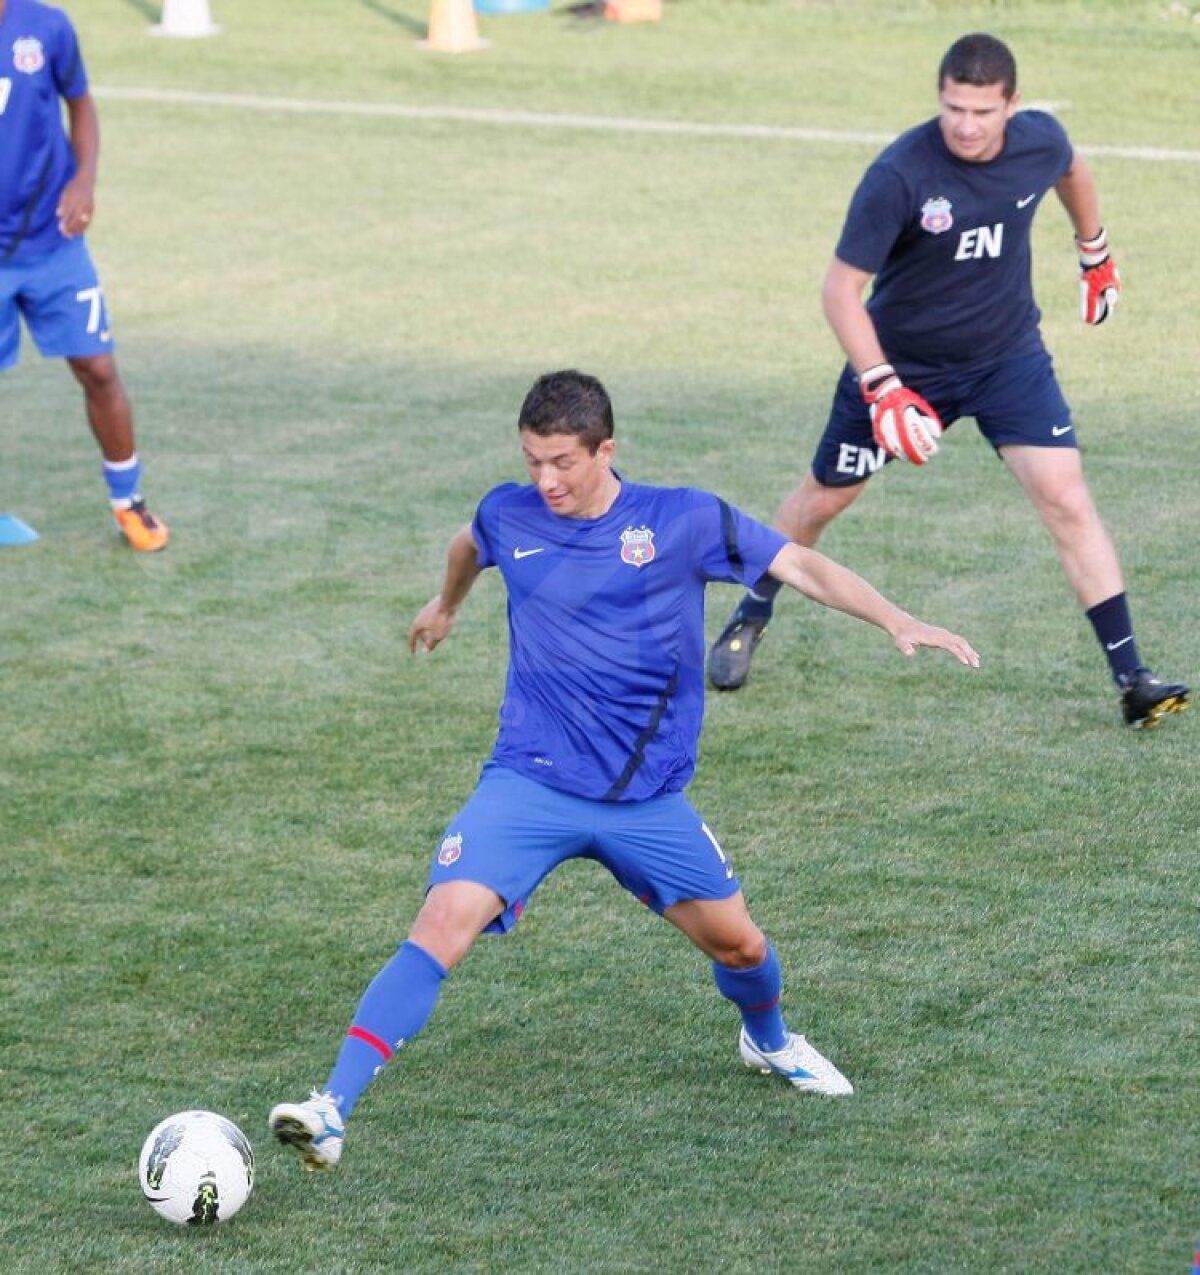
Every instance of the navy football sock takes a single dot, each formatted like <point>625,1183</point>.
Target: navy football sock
<point>393,1009</point>
<point>758,603</point>
<point>757,992</point>
<point>1114,630</point>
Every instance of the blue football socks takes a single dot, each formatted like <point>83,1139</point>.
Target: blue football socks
<point>757,992</point>
<point>124,478</point>
<point>393,1009</point>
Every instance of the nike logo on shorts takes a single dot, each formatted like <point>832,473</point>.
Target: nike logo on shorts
<point>527,553</point>
<point>1059,430</point>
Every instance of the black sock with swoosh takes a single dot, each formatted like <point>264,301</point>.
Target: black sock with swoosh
<point>1114,630</point>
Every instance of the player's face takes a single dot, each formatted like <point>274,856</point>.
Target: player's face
<point>974,117</point>
<point>574,482</point>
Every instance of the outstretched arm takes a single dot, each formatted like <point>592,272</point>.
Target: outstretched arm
<point>436,618</point>
<point>833,585</point>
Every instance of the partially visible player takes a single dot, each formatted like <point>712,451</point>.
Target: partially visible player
<point>47,201</point>
<point>942,222</point>
<point>598,734</point>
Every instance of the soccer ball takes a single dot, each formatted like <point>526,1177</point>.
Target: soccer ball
<point>196,1168</point>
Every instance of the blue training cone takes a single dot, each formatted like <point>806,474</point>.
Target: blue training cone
<point>15,532</point>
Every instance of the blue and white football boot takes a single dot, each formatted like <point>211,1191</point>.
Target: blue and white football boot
<point>315,1128</point>
<point>799,1063</point>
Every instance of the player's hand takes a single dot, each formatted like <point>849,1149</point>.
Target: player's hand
<point>432,625</point>
<point>913,634</point>
<point>1099,279</point>
<point>903,423</point>
<point>76,206</point>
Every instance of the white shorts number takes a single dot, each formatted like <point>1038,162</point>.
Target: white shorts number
<point>95,298</point>
<point>5,90</point>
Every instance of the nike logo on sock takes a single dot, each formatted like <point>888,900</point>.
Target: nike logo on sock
<point>1112,646</point>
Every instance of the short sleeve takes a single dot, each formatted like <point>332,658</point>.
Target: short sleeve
<point>734,547</point>
<point>876,218</point>
<point>66,60</point>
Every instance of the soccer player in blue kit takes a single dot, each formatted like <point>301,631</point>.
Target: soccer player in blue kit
<point>47,200</point>
<point>942,221</point>
<point>598,734</point>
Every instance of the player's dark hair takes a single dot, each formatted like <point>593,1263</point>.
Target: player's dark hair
<point>981,60</point>
<point>568,403</point>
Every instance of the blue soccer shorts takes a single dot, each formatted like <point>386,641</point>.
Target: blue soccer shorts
<point>60,298</point>
<point>1015,401</point>
<point>513,832</point>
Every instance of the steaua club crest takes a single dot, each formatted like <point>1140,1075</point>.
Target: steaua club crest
<point>936,216</point>
<point>451,849</point>
<point>28,55</point>
<point>637,546</point>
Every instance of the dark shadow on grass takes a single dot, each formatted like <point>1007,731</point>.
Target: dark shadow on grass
<point>147,8</point>
<point>400,19</point>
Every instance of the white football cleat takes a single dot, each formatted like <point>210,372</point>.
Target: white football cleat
<point>799,1063</point>
<point>315,1128</point>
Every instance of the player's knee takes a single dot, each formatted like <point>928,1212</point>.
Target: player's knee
<point>745,951</point>
<point>97,373</point>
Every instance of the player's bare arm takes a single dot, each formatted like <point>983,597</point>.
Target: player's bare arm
<point>436,618</point>
<point>1078,195</point>
<point>76,204</point>
<point>845,312</point>
<point>832,585</point>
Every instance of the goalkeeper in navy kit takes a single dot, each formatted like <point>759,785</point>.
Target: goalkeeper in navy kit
<point>941,221</point>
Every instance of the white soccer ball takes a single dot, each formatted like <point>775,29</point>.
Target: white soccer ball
<point>196,1167</point>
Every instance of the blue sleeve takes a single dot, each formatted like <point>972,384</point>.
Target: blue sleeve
<point>485,523</point>
<point>66,60</point>
<point>878,214</point>
<point>735,548</point>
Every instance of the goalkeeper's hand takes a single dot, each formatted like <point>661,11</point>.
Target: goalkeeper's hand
<point>903,423</point>
<point>1099,280</point>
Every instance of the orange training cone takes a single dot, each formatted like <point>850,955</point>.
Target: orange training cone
<point>452,27</point>
<point>633,10</point>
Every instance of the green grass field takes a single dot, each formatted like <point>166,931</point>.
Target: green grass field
<point>222,776</point>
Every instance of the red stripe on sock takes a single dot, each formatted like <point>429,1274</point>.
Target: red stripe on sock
<point>361,1033</point>
<point>759,1009</point>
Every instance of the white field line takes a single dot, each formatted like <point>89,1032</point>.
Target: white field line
<point>535,119</point>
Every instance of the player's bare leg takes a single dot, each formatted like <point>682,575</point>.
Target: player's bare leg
<point>111,419</point>
<point>1053,480</point>
<point>803,516</point>
<point>743,962</point>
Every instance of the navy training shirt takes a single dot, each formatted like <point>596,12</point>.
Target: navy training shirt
<point>605,690</point>
<point>40,64</point>
<point>949,243</point>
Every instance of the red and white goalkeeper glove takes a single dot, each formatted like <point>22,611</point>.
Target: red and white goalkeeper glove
<point>903,423</point>
<point>1099,281</point>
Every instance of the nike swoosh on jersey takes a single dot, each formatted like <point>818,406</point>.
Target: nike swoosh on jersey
<point>527,553</point>
<point>1027,200</point>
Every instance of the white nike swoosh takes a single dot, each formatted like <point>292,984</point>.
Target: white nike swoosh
<point>1059,430</point>
<point>1112,646</point>
<point>527,553</point>
<point>1027,200</point>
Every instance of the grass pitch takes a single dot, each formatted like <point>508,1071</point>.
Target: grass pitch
<point>223,775</point>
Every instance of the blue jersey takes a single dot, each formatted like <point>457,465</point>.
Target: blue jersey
<point>948,243</point>
<point>40,63</point>
<point>605,692</point>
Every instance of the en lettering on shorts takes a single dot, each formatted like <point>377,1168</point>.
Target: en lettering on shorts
<point>60,298</point>
<point>513,832</point>
<point>1014,401</point>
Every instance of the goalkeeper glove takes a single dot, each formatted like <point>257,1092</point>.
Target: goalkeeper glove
<point>1099,281</point>
<point>903,423</point>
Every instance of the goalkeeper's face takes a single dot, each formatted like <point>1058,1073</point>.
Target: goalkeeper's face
<point>973,120</point>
